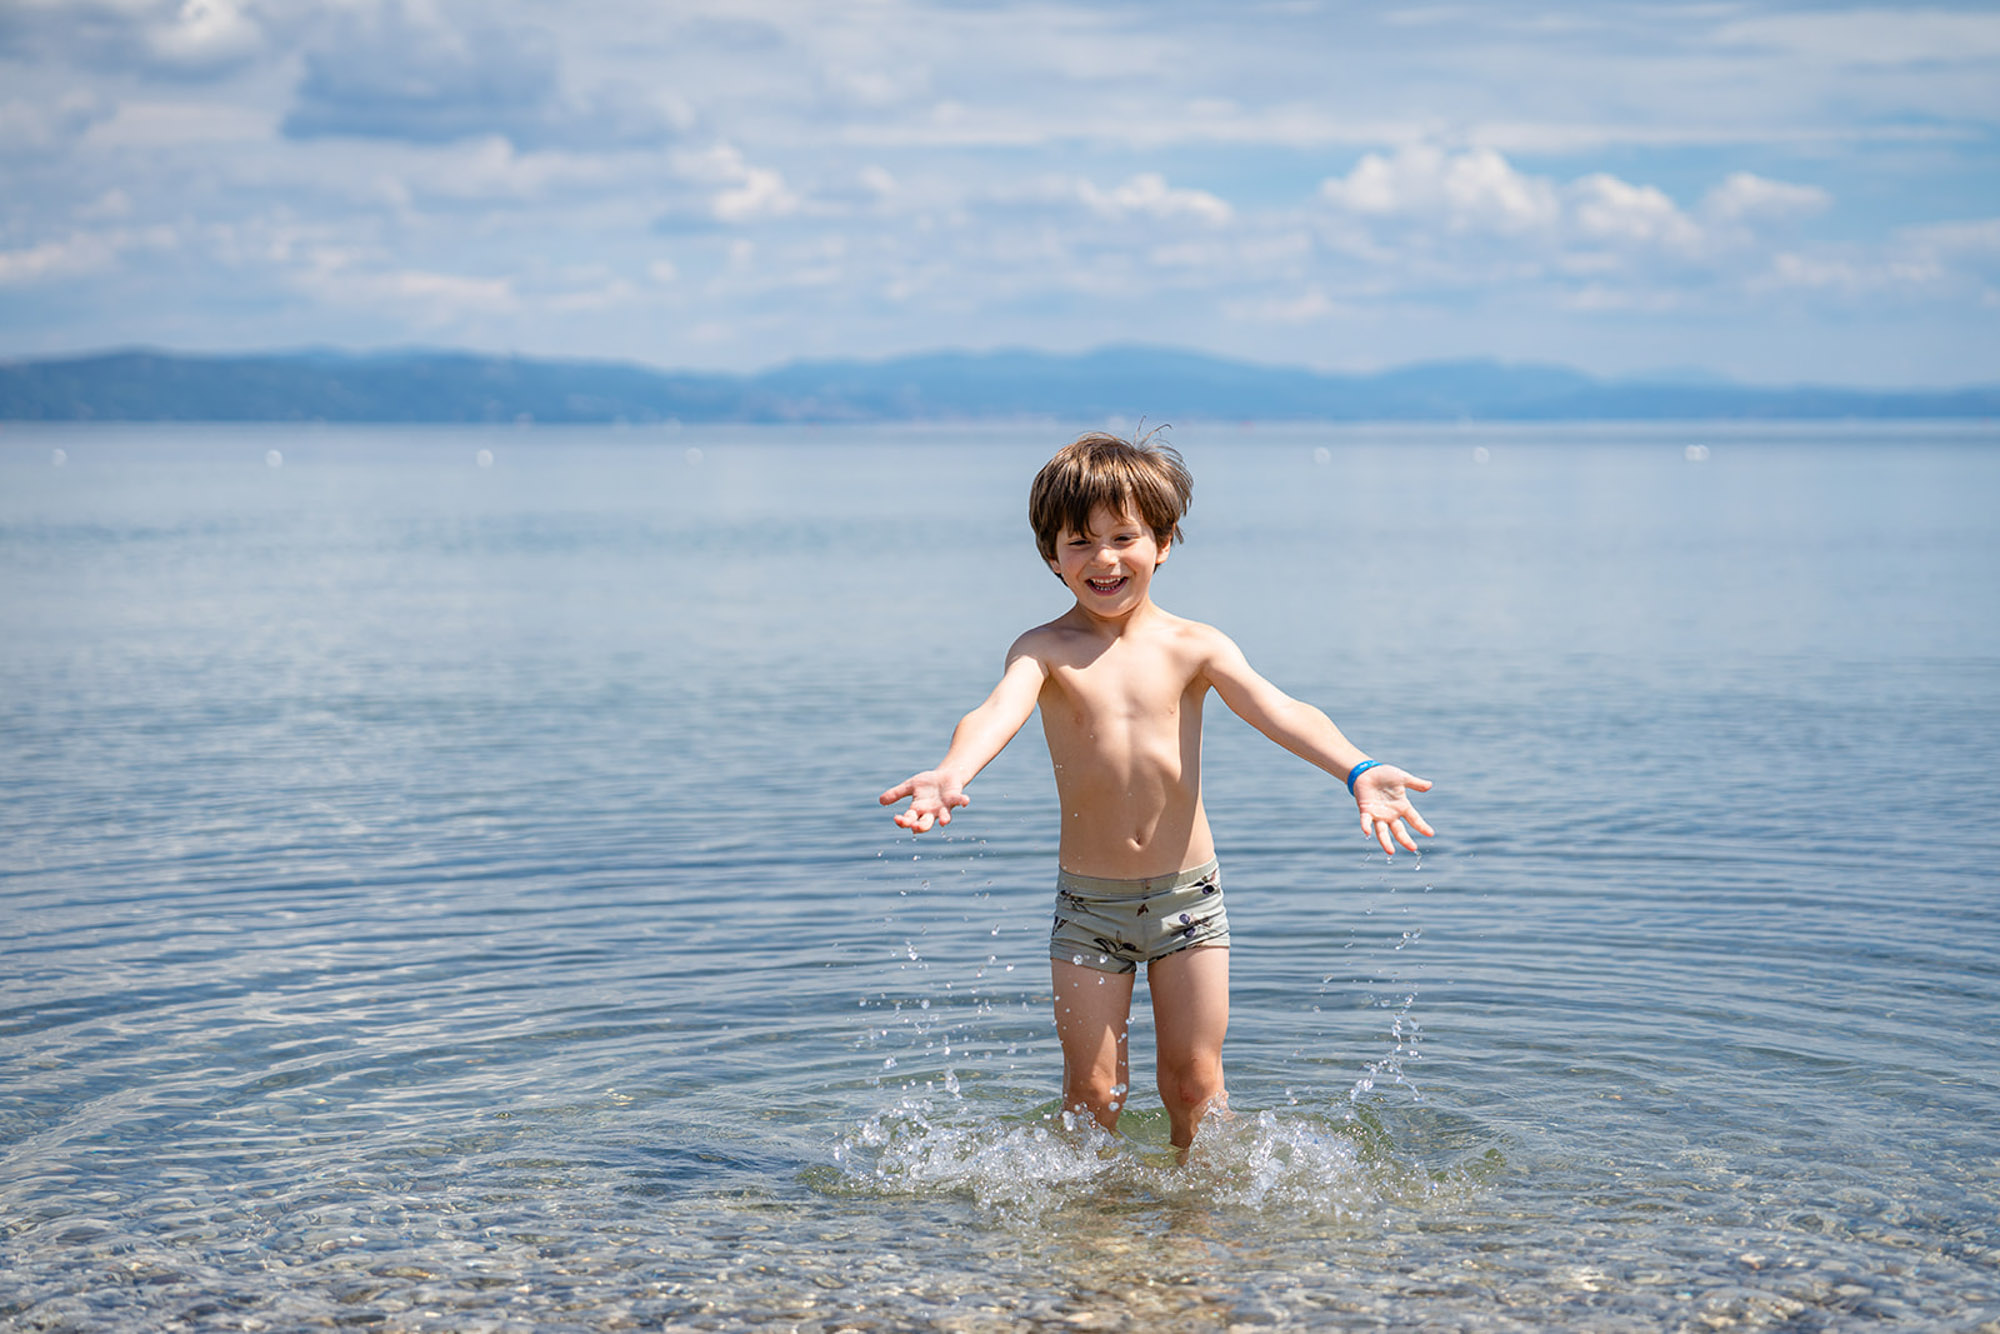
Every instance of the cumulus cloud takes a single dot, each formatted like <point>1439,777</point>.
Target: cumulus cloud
<point>393,73</point>
<point>1429,191</point>
<point>170,38</point>
<point>1608,209</point>
<point>1472,190</point>
<point>729,189</point>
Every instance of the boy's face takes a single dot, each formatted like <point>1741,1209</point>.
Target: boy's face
<point>1110,568</point>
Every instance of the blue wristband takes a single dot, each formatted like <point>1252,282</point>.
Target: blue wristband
<point>1359,770</point>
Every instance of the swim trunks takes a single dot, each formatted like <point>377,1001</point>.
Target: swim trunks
<point>1115,925</point>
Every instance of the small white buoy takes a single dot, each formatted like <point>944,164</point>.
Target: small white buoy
<point>273,459</point>
<point>484,458</point>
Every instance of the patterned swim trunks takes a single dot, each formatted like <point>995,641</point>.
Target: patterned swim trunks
<point>1115,925</point>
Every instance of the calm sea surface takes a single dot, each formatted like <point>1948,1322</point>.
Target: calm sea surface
<point>441,887</point>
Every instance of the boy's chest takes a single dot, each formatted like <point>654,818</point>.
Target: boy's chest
<point>1098,692</point>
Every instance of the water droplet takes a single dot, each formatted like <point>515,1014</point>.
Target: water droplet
<point>58,457</point>
<point>888,1063</point>
<point>1696,453</point>
<point>693,457</point>
<point>1322,456</point>
<point>273,459</point>
<point>484,458</point>
<point>1481,454</point>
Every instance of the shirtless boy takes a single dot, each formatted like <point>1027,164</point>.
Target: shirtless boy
<point>1121,683</point>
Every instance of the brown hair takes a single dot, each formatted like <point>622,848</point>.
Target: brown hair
<point>1124,476</point>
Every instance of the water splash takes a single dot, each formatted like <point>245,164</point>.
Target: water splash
<point>1301,1166</point>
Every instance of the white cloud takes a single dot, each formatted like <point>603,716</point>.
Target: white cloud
<point>1305,307</point>
<point>493,168</point>
<point>1471,190</point>
<point>1606,208</point>
<point>760,194</point>
<point>80,254</point>
<point>1744,197</point>
<point>205,35</point>
<point>1425,190</point>
<point>1979,238</point>
<point>427,298</point>
<point>1795,270</point>
<point>69,257</point>
<point>1148,194</point>
<point>747,193</point>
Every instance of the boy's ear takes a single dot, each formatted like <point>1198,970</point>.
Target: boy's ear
<point>1166,549</point>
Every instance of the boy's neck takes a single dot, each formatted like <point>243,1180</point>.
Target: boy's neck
<point>1111,627</point>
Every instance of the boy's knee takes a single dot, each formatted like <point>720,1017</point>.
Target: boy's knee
<point>1190,1084</point>
<point>1094,1090</point>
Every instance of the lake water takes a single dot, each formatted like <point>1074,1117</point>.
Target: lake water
<point>443,894</point>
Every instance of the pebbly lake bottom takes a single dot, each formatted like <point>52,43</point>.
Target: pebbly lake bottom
<point>443,894</point>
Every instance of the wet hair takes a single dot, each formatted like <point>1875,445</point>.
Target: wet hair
<point>1137,477</point>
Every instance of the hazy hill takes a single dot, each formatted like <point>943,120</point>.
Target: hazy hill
<point>1157,383</point>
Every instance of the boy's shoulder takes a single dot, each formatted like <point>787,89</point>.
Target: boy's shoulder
<point>1063,639</point>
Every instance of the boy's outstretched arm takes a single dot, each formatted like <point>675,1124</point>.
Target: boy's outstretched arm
<point>1381,792</point>
<point>982,734</point>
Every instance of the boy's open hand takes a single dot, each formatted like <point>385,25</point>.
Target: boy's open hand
<point>933,797</point>
<point>1383,794</point>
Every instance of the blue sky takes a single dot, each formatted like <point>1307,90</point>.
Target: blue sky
<point>1777,192</point>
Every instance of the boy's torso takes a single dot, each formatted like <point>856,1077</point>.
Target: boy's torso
<point>1122,714</point>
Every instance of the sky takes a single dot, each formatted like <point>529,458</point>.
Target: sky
<point>1773,192</point>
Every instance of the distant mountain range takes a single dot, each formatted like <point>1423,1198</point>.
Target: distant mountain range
<point>1159,383</point>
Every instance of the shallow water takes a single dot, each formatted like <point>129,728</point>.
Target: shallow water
<point>445,896</point>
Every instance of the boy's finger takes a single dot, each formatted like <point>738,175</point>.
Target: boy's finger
<point>1420,784</point>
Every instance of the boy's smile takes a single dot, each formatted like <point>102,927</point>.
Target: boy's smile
<point>1110,568</point>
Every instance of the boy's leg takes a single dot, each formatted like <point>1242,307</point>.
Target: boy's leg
<point>1093,1012</point>
<point>1191,1015</point>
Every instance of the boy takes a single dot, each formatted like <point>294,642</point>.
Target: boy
<point>1121,684</point>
